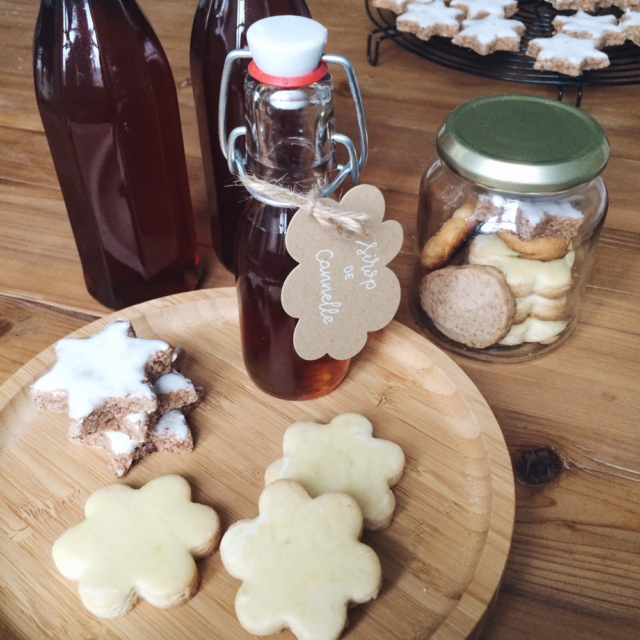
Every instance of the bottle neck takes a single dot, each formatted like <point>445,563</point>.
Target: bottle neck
<point>289,132</point>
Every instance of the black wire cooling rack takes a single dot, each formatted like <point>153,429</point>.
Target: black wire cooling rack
<point>537,16</point>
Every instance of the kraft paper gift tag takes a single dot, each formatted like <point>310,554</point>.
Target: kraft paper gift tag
<point>342,288</point>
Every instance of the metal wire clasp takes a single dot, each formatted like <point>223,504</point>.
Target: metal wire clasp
<point>237,162</point>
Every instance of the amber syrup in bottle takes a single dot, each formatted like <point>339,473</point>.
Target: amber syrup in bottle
<point>289,141</point>
<point>109,107</point>
<point>219,27</point>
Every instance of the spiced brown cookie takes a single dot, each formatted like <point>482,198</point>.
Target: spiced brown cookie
<point>540,248</point>
<point>471,304</point>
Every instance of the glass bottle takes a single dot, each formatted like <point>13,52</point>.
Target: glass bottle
<point>108,103</point>
<point>219,27</point>
<point>290,140</point>
<point>508,221</point>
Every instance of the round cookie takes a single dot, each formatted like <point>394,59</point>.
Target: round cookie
<point>471,304</point>
<point>439,249</point>
<point>540,248</point>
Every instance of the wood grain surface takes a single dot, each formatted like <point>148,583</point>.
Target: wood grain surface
<point>574,568</point>
<point>442,557</point>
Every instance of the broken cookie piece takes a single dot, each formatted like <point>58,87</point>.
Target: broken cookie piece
<point>108,374</point>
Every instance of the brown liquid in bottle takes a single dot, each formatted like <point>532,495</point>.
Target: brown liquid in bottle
<point>220,27</point>
<point>109,107</point>
<point>263,264</point>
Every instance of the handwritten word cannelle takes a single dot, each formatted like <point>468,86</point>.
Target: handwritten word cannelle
<point>327,306</point>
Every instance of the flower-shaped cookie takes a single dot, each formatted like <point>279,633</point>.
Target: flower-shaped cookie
<point>342,288</point>
<point>138,544</point>
<point>550,279</point>
<point>343,456</point>
<point>300,562</point>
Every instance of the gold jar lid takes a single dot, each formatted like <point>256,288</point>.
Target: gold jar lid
<point>523,144</point>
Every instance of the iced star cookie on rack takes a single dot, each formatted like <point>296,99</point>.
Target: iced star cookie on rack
<point>300,562</point>
<point>581,5</point>
<point>476,9</point>
<point>603,29</point>
<point>137,544</point>
<point>490,34</point>
<point>630,24</point>
<point>343,456</point>
<point>567,55</point>
<point>397,6</point>
<point>427,20</point>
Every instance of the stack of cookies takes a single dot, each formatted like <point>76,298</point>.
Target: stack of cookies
<point>122,393</point>
<point>515,286</point>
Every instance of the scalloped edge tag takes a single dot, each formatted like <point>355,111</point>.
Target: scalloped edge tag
<point>342,287</point>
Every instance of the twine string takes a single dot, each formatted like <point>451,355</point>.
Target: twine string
<point>329,215</point>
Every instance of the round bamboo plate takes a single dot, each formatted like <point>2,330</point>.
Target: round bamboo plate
<point>442,557</point>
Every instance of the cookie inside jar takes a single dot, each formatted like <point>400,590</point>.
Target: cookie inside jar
<point>508,220</point>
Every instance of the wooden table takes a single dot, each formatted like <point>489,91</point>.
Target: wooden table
<point>574,568</point>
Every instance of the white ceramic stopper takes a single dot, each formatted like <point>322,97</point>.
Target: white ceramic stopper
<point>286,46</point>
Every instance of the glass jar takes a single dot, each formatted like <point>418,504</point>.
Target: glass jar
<point>508,221</point>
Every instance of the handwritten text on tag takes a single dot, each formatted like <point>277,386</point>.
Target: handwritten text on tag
<point>342,288</point>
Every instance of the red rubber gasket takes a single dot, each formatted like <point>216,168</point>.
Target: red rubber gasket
<point>299,81</point>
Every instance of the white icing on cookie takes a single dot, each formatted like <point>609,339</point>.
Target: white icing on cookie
<point>108,364</point>
<point>173,424</point>
<point>300,562</point>
<point>171,382</point>
<point>630,18</point>
<point>137,544</point>
<point>491,28</point>
<point>574,50</point>
<point>342,456</point>
<point>138,421</point>
<point>534,212</point>
<point>121,443</point>
<point>428,15</point>
<point>583,25</point>
<point>479,8</point>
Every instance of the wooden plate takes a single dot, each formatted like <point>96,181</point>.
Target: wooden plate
<point>442,557</point>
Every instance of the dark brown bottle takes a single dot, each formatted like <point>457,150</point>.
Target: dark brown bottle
<point>109,107</point>
<point>220,27</point>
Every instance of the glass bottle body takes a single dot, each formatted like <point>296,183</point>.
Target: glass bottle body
<point>109,107</point>
<point>547,286</point>
<point>288,140</point>
<point>220,27</point>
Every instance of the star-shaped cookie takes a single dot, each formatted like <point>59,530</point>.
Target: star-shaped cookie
<point>137,544</point>
<point>300,562</point>
<point>343,456</point>
<point>106,373</point>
